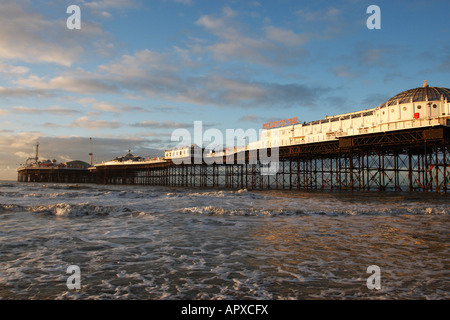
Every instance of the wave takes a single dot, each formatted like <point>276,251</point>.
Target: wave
<point>60,209</point>
<point>218,211</point>
<point>65,186</point>
<point>89,209</point>
<point>211,210</point>
<point>72,200</point>
<point>214,194</point>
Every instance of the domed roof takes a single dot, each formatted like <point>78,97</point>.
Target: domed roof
<point>424,93</point>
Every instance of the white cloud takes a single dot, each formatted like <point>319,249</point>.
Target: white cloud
<point>137,65</point>
<point>13,70</point>
<point>78,81</point>
<point>107,107</point>
<point>86,123</point>
<point>177,77</point>
<point>271,47</point>
<point>99,105</point>
<point>104,48</point>
<point>154,74</point>
<point>103,4</point>
<point>28,36</point>
<point>99,8</point>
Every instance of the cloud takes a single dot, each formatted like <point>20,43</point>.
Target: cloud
<point>286,37</point>
<point>99,105</point>
<point>134,109</point>
<point>374,100</point>
<point>234,90</point>
<point>16,148</point>
<point>186,2</point>
<point>241,93</point>
<point>146,72</point>
<point>331,13</point>
<point>77,81</point>
<point>138,65</point>
<point>105,106</point>
<point>156,75</point>
<point>103,8</point>
<point>86,123</point>
<point>168,76</point>
<point>343,71</point>
<point>29,37</point>
<point>33,37</point>
<point>12,143</point>
<point>10,70</point>
<point>254,118</point>
<point>151,73</point>
<point>105,4</point>
<point>20,92</point>
<point>324,24</point>
<point>272,47</point>
<point>161,124</point>
<point>444,65</point>
<point>54,110</point>
<point>104,48</point>
<point>369,55</point>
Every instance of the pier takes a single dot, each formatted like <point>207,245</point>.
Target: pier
<point>57,175</point>
<point>405,160</point>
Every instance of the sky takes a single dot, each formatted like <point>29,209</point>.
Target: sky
<point>138,70</point>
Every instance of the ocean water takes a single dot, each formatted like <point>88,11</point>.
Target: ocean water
<point>146,242</point>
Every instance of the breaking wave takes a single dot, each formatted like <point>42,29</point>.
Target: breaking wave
<point>218,211</point>
<point>60,209</point>
<point>75,200</point>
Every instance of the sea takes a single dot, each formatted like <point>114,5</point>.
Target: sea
<point>171,243</point>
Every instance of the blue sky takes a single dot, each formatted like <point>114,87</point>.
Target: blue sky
<point>137,70</point>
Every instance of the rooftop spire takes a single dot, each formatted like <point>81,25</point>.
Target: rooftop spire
<point>425,84</point>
